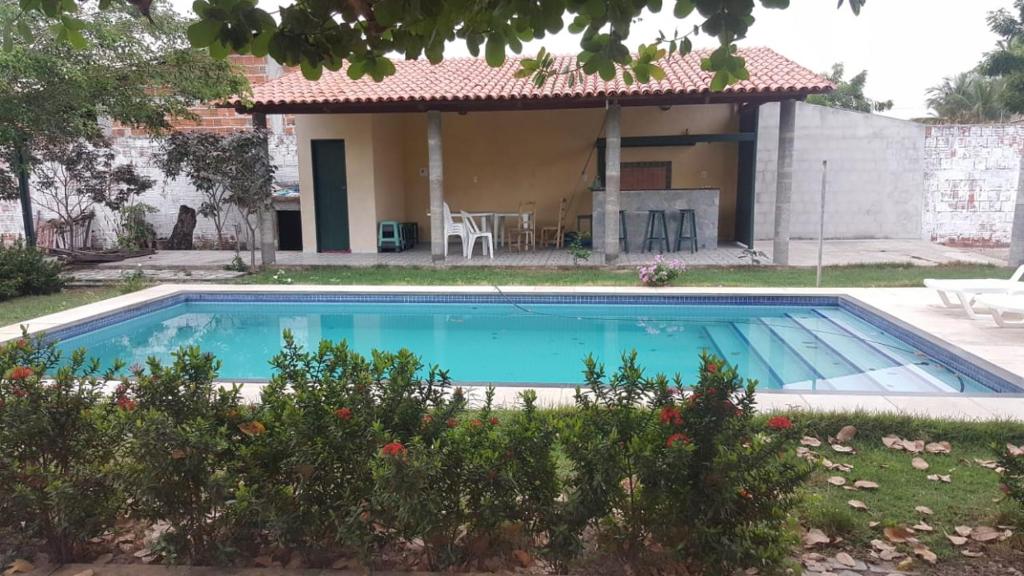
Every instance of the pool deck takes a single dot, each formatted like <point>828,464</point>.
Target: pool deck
<point>919,307</point>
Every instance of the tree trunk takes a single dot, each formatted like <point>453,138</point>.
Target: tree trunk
<point>21,168</point>
<point>181,236</point>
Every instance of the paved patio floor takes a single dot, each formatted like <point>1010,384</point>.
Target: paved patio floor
<point>803,253</point>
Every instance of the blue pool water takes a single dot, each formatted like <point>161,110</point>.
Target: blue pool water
<point>784,347</point>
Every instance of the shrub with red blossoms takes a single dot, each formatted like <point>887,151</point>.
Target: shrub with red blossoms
<point>393,449</point>
<point>677,438</point>
<point>780,423</point>
<point>343,413</point>
<point>20,373</point>
<point>671,415</point>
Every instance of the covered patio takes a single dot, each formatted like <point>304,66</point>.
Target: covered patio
<point>611,163</point>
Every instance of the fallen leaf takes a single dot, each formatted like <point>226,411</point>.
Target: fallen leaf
<point>814,537</point>
<point>914,447</point>
<point>938,448</point>
<point>990,464</point>
<point>898,534</point>
<point>963,530</point>
<point>177,454</point>
<point>944,478</point>
<point>103,558</point>
<point>890,555</point>
<point>985,534</point>
<point>956,540</point>
<point>919,463</point>
<point>86,572</point>
<point>866,485</point>
<point>924,510</point>
<point>881,545</point>
<point>846,560</point>
<point>837,480</point>
<point>19,566</point>
<point>873,524</point>
<point>1015,450</point>
<point>857,505</point>
<point>905,565</point>
<point>523,557</point>
<point>810,441</point>
<point>923,527</point>
<point>972,553</point>
<point>842,449</point>
<point>894,442</point>
<point>922,551</point>
<point>846,433</point>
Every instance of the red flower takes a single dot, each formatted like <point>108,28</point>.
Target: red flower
<point>19,392</point>
<point>427,420</point>
<point>476,423</point>
<point>676,438</point>
<point>125,404</point>
<point>494,421</point>
<point>343,413</point>
<point>453,423</point>
<point>22,343</point>
<point>780,423</point>
<point>711,368</point>
<point>670,415</point>
<point>393,449</point>
<point>21,373</point>
<point>744,493</point>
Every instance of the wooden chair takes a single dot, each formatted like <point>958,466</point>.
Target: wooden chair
<point>522,232</point>
<point>555,235</point>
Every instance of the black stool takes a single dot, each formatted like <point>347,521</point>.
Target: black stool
<point>411,234</point>
<point>652,227</point>
<point>623,237</point>
<point>689,233</point>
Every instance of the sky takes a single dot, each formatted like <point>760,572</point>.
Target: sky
<point>907,46</point>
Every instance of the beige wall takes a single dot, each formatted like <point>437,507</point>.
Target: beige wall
<point>495,160</point>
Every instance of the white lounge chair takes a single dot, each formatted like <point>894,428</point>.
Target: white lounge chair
<point>472,233</point>
<point>453,228</point>
<point>965,292</point>
<point>1007,309</point>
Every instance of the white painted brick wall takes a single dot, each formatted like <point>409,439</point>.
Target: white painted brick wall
<point>166,196</point>
<point>971,175</point>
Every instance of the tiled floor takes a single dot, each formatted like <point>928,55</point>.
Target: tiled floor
<point>803,253</point>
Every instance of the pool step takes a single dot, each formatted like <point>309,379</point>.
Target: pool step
<point>908,371</point>
<point>734,349</point>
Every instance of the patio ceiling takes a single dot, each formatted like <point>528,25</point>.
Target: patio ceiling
<point>467,84</point>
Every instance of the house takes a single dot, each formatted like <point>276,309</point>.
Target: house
<point>481,140</point>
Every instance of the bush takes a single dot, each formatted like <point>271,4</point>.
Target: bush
<point>181,463</point>
<point>26,271</point>
<point>1011,460</point>
<point>661,272</point>
<point>695,476</point>
<point>57,445</point>
<point>327,413</point>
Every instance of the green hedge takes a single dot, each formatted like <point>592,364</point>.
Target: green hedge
<point>26,271</point>
<point>357,456</point>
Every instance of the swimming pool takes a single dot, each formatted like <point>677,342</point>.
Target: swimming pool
<point>800,343</point>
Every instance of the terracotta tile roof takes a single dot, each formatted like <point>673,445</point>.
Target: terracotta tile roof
<point>471,79</point>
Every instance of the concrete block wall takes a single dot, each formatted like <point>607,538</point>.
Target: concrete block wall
<point>971,177</point>
<point>875,174</point>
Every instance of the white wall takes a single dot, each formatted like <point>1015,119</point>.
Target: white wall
<point>875,167</point>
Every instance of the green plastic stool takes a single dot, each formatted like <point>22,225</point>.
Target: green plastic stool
<point>389,235</point>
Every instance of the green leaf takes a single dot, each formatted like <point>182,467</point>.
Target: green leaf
<point>260,45</point>
<point>627,77</point>
<point>657,72</point>
<point>494,51</point>
<point>356,70</point>
<point>203,33</point>
<point>75,38</point>
<point>25,31</point>
<point>310,71</point>
<point>218,50</point>
<point>683,8</point>
<point>720,81</point>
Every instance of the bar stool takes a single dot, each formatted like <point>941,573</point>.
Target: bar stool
<point>687,216</point>
<point>389,234</point>
<point>652,227</point>
<point>623,237</point>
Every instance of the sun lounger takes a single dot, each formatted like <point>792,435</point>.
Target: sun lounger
<point>1007,309</point>
<point>963,293</point>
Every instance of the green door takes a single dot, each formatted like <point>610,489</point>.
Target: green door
<point>330,193</point>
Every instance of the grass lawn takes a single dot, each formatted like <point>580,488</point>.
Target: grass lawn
<point>889,275</point>
<point>28,307</point>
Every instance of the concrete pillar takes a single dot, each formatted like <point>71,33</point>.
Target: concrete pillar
<point>435,170</point>
<point>268,241</point>
<point>1017,234</point>
<point>784,182</point>
<point>612,172</point>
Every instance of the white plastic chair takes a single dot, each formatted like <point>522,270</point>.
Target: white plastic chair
<point>1007,309</point>
<point>472,233</point>
<point>966,291</point>
<point>453,228</point>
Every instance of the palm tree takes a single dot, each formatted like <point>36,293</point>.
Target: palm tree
<point>968,98</point>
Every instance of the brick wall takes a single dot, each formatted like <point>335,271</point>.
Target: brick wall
<point>971,175</point>
<point>140,148</point>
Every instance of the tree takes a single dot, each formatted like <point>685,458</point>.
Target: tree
<point>318,34</point>
<point>1007,60</point>
<point>849,94</point>
<point>233,170</point>
<point>968,98</point>
<point>60,79</point>
<point>73,177</point>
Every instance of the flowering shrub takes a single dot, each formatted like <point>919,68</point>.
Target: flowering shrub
<point>694,475</point>
<point>181,462</point>
<point>661,272</point>
<point>57,443</point>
